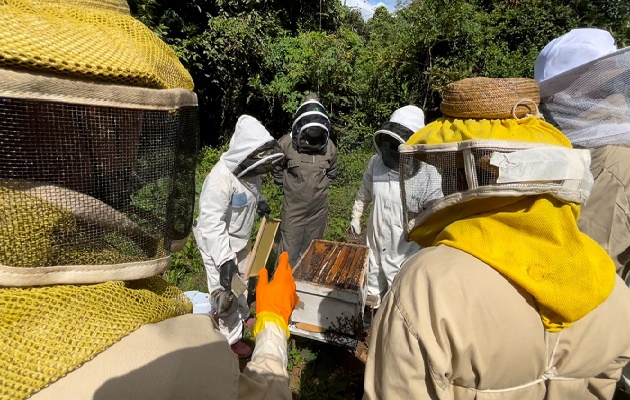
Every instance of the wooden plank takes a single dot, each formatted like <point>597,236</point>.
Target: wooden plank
<point>331,276</point>
<point>262,246</point>
<point>325,291</point>
<point>309,328</point>
<point>325,265</point>
<point>325,337</point>
<point>347,270</point>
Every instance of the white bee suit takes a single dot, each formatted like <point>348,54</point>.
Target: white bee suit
<point>385,235</point>
<point>381,187</point>
<point>227,210</point>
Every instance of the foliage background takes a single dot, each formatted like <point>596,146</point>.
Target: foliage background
<point>261,57</point>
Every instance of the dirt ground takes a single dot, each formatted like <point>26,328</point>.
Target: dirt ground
<point>322,371</point>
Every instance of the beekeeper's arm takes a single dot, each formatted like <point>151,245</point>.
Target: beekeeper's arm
<point>265,376</point>
<point>333,170</point>
<point>277,171</point>
<point>363,198</point>
<point>604,385</point>
<point>211,228</point>
<point>398,360</point>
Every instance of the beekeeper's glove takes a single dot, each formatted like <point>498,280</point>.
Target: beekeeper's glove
<point>226,271</point>
<point>263,208</point>
<point>355,224</point>
<point>275,300</point>
<point>223,303</point>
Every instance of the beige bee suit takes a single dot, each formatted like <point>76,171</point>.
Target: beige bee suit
<point>454,328</point>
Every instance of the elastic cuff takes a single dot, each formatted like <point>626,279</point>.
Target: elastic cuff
<point>267,316</point>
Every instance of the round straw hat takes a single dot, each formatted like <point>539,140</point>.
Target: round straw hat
<point>491,98</point>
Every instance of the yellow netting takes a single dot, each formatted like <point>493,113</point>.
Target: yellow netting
<point>26,231</point>
<point>87,39</point>
<point>36,233</point>
<point>48,332</point>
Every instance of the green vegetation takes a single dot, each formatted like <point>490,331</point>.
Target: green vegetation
<point>262,57</point>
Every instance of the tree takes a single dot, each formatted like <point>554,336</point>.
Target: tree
<point>262,56</point>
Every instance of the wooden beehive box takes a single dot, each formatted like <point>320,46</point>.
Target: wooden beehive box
<point>330,280</point>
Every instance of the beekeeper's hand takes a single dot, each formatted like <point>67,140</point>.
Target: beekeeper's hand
<point>226,271</point>
<point>222,302</point>
<point>275,300</point>
<point>263,208</point>
<point>355,224</point>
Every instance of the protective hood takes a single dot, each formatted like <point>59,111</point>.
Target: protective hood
<point>512,186</point>
<point>311,128</point>
<point>584,82</point>
<point>571,50</point>
<point>251,146</point>
<point>403,123</point>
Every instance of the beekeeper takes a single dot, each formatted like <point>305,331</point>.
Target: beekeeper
<point>97,168</point>
<point>309,166</point>
<point>507,299</point>
<point>227,209</point>
<point>388,247</point>
<point>584,84</point>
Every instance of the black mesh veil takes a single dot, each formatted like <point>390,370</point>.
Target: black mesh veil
<point>95,181</point>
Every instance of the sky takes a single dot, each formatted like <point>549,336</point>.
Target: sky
<point>367,6</point>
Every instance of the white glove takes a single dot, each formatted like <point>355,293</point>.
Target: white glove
<point>355,224</point>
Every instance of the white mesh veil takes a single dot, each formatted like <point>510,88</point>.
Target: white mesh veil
<point>591,103</point>
<point>434,177</point>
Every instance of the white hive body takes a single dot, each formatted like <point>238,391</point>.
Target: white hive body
<point>330,280</point>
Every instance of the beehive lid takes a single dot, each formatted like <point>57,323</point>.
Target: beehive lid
<point>333,264</point>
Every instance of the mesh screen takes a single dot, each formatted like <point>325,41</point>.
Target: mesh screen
<point>62,326</point>
<point>591,103</point>
<point>427,177</point>
<point>83,185</point>
<point>423,179</point>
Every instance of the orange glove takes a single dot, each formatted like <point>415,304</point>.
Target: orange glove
<point>275,300</point>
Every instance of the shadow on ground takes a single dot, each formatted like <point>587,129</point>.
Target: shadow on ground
<point>322,371</point>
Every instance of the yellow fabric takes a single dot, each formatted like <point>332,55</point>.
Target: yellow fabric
<point>87,39</point>
<point>532,240</point>
<point>449,130</point>
<point>267,316</point>
<point>47,332</point>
